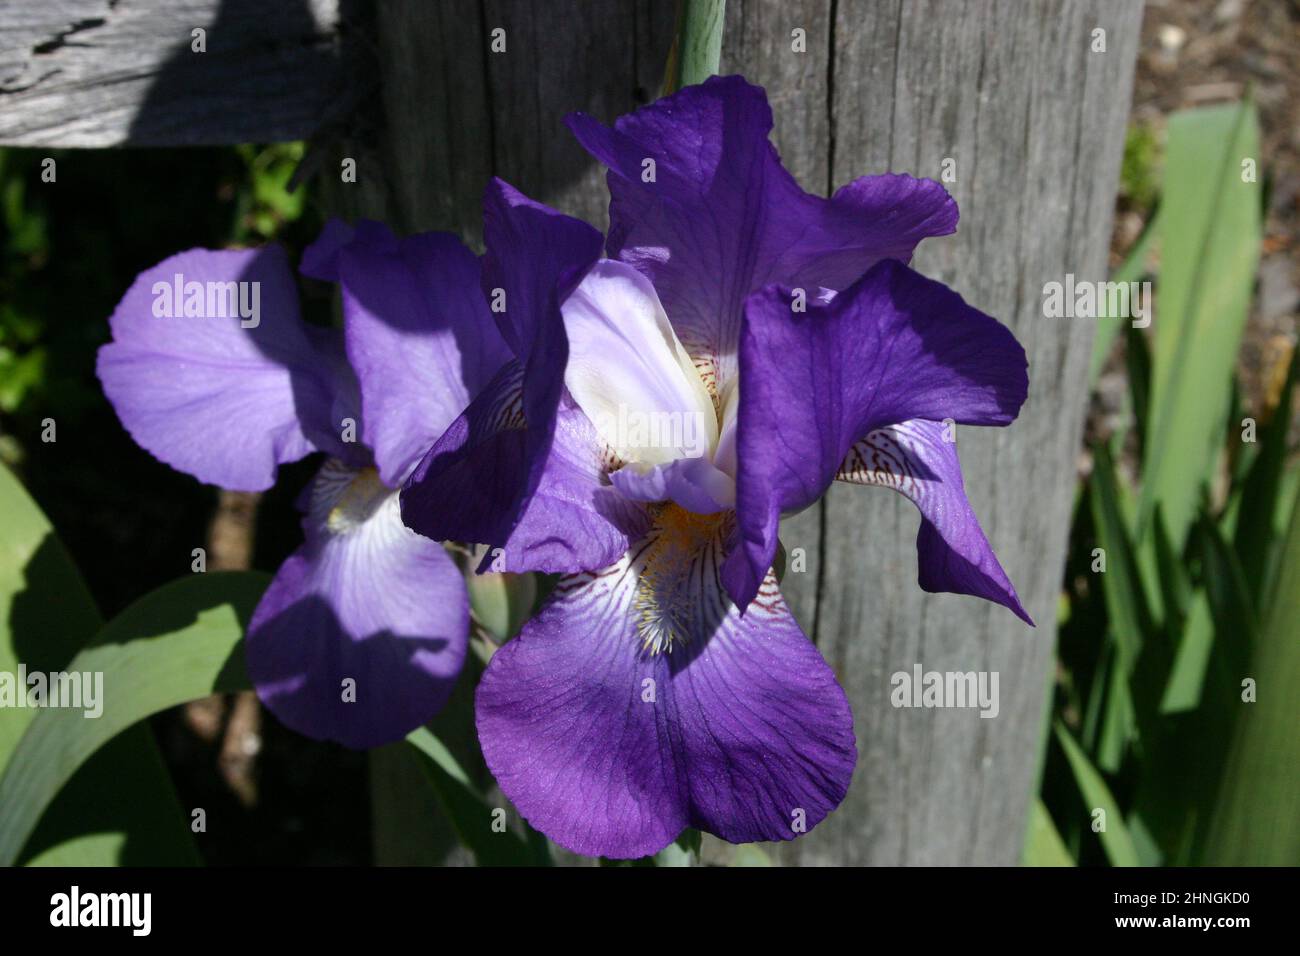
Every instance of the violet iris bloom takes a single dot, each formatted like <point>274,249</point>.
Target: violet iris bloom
<point>746,344</point>
<point>363,630</point>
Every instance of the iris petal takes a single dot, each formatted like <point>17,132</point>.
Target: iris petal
<point>700,203</point>
<point>918,459</point>
<point>738,727</point>
<point>893,347</point>
<point>467,488</point>
<point>362,633</point>
<point>224,398</point>
<point>419,335</point>
<point>476,483</point>
<point>630,374</point>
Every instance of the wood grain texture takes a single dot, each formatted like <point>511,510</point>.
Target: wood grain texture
<point>115,72</point>
<point>1035,122</point>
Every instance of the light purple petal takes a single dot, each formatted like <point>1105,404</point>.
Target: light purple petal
<point>419,335</point>
<point>895,346</point>
<point>740,729</point>
<point>364,600</point>
<point>919,459</point>
<point>721,217</point>
<point>694,483</point>
<point>210,397</point>
<point>467,488</point>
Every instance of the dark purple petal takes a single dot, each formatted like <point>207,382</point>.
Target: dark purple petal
<point>740,729</point>
<point>222,402</point>
<point>894,346</point>
<point>477,482</point>
<point>467,487</point>
<point>535,256</point>
<point>419,335</point>
<point>919,459</point>
<point>722,217</point>
<point>363,600</point>
<point>320,260</point>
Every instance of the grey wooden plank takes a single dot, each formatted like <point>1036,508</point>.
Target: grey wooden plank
<point>1035,121</point>
<point>115,72</point>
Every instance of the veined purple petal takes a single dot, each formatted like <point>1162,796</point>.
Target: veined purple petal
<point>894,346</point>
<point>919,459</point>
<point>477,483</point>
<point>717,216</point>
<point>224,397</point>
<point>419,335</point>
<point>737,726</point>
<point>467,488</point>
<point>362,633</point>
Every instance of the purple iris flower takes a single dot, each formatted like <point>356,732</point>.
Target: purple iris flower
<point>363,630</point>
<point>744,344</point>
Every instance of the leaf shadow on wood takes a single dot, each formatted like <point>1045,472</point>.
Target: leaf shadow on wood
<point>221,94</point>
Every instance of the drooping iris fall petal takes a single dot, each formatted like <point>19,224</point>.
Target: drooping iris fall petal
<point>893,347</point>
<point>362,633</point>
<point>639,702</point>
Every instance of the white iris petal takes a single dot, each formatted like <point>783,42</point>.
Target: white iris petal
<point>629,372</point>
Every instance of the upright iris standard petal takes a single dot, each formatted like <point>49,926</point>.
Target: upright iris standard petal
<point>476,483</point>
<point>919,459</point>
<point>700,202</point>
<point>362,633</point>
<point>639,702</point>
<point>212,371</point>
<point>893,347</point>
<point>419,335</point>
<point>629,373</point>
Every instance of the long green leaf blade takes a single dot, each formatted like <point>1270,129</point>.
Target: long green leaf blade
<point>1115,838</point>
<point>1256,819</point>
<point>468,811</point>
<point>177,644</point>
<point>1131,270</point>
<point>1210,237</point>
<point>121,799</point>
<point>1043,843</point>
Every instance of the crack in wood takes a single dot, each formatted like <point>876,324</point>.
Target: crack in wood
<point>61,40</point>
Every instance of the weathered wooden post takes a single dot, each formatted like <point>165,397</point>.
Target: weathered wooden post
<point>1021,103</point>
